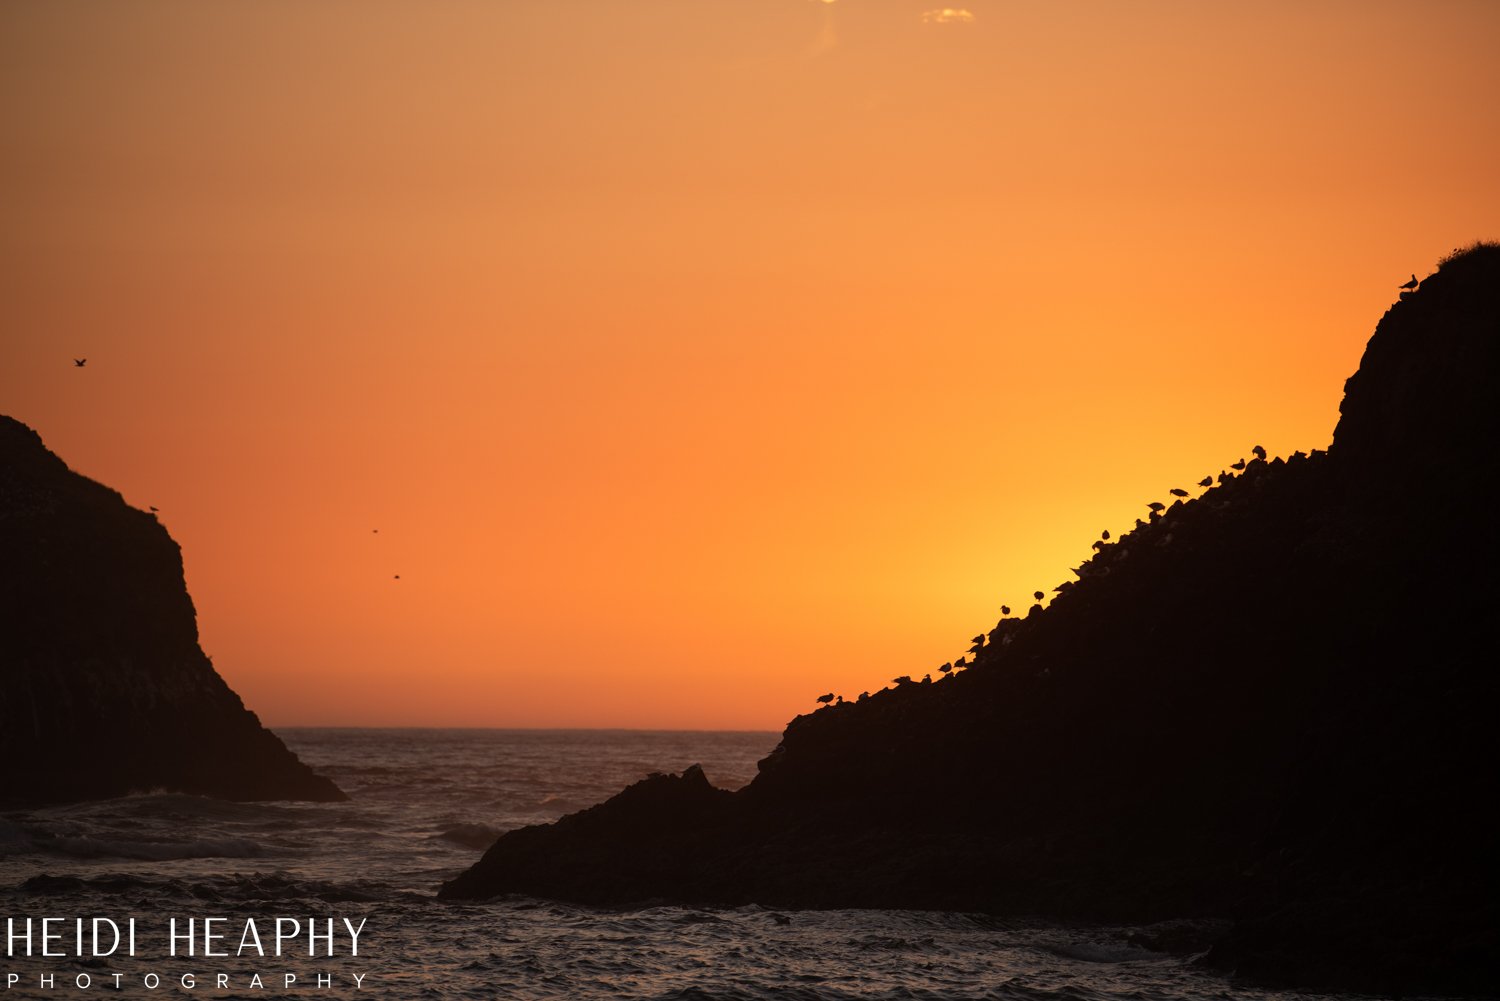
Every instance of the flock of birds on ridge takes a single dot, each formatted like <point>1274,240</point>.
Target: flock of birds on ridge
<point>1003,632</point>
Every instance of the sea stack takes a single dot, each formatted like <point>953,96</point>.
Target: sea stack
<point>104,690</point>
<point>1278,710</point>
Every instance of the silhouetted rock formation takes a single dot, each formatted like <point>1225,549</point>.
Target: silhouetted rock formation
<point>103,688</point>
<point>1276,706</point>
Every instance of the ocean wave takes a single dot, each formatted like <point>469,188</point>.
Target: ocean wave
<point>151,851</point>
<point>236,888</point>
<point>479,836</point>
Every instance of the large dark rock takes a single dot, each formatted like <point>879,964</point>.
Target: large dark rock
<point>103,688</point>
<point>1276,703</point>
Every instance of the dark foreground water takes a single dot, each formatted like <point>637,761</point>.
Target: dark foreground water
<point>425,803</point>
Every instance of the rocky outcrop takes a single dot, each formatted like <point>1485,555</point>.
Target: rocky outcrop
<point>104,690</point>
<point>1271,703</point>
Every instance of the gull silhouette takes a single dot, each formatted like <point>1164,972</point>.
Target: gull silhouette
<point>1411,284</point>
<point>80,362</point>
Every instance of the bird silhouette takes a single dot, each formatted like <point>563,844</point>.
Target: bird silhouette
<point>825,699</point>
<point>1038,595</point>
<point>1259,453</point>
<point>1207,481</point>
<point>152,509</point>
<point>1104,535</point>
<point>945,668</point>
<point>1156,506</point>
<point>398,576</point>
<point>1004,609</point>
<point>80,362</point>
<point>1411,284</point>
<point>1178,492</point>
<point>1237,465</point>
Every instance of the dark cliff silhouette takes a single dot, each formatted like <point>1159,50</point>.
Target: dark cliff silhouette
<point>103,688</point>
<point>1274,703</point>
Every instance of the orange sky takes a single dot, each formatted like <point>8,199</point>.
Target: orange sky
<point>693,357</point>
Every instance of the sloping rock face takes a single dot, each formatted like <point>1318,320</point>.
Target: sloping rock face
<point>103,688</point>
<point>1274,703</point>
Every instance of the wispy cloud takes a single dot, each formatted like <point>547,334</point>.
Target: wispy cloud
<point>948,15</point>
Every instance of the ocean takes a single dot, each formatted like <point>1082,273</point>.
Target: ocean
<point>424,804</point>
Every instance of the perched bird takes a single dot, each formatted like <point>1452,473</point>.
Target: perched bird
<point>1237,466</point>
<point>1004,609</point>
<point>1156,505</point>
<point>978,640</point>
<point>1178,492</point>
<point>80,362</point>
<point>863,696</point>
<point>152,509</point>
<point>825,699</point>
<point>946,668</point>
<point>905,679</point>
<point>1098,544</point>
<point>1038,595</point>
<point>1104,535</point>
<point>1411,284</point>
<point>1207,481</point>
<point>960,662</point>
<point>1259,453</point>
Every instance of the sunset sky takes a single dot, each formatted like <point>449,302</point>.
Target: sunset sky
<point>694,358</point>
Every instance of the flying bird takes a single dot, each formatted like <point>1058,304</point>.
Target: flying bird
<point>398,576</point>
<point>80,362</point>
<point>1411,284</point>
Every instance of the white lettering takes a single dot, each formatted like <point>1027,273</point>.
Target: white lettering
<point>11,936</point>
<point>173,936</point>
<point>48,936</point>
<point>209,935</point>
<point>353,934</point>
<point>288,936</point>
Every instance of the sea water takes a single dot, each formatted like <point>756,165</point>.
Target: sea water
<point>424,804</point>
